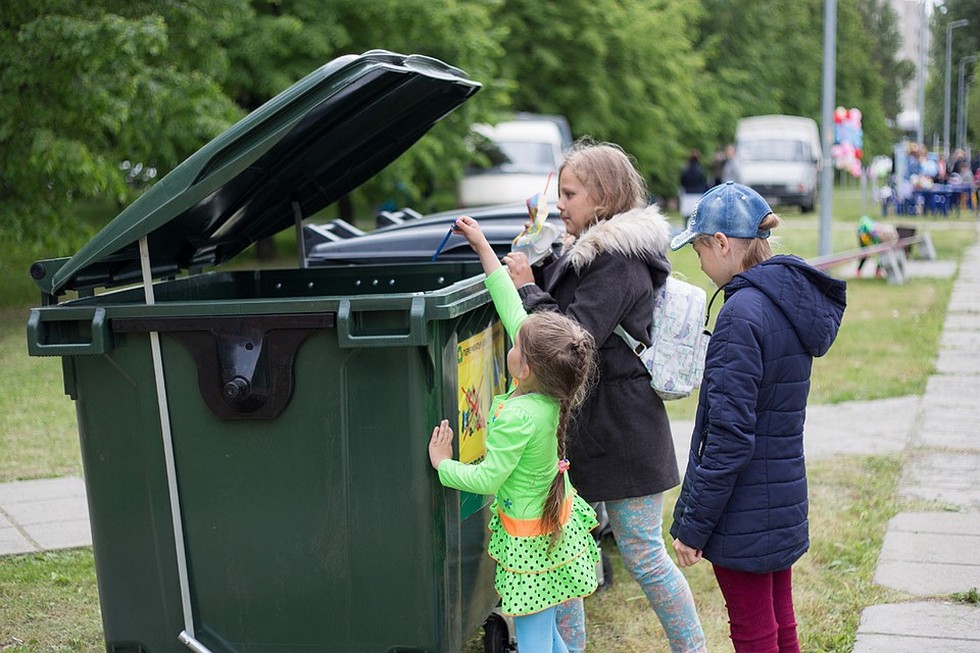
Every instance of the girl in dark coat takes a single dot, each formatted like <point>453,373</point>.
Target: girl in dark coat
<point>620,446</point>
<point>743,504</point>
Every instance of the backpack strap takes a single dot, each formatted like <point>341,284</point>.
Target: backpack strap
<point>707,311</point>
<point>638,347</point>
<point>635,345</point>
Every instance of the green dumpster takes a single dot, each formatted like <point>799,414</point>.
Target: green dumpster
<point>254,442</point>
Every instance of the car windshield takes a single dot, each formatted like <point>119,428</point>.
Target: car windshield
<point>529,156</point>
<point>520,156</point>
<point>773,150</point>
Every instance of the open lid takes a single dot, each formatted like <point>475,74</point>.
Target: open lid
<point>308,146</point>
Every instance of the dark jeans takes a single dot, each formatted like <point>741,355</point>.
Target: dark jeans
<point>760,610</point>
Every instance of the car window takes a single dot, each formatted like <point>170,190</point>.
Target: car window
<point>773,150</point>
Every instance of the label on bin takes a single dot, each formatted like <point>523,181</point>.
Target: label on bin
<point>481,370</point>
<point>482,373</point>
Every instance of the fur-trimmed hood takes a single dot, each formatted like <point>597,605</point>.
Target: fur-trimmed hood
<point>641,233</point>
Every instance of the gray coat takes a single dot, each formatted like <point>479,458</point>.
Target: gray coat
<point>619,444</point>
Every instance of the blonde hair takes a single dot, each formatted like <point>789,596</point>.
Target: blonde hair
<point>758,250</point>
<point>609,176</point>
<point>562,356</point>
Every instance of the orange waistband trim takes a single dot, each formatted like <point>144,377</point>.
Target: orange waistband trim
<point>533,527</point>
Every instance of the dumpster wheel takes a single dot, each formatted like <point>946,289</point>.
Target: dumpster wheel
<point>497,634</point>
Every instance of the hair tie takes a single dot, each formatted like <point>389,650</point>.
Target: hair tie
<point>563,465</point>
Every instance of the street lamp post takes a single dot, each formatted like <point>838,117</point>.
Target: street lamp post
<point>949,63</point>
<point>920,125</point>
<point>827,118</point>
<point>961,107</point>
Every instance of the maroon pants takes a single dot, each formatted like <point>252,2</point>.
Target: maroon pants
<point>760,610</point>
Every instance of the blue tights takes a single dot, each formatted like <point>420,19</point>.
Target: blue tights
<point>538,633</point>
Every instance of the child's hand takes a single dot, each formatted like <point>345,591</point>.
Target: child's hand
<point>441,444</point>
<point>469,229</point>
<point>518,268</point>
<point>686,556</point>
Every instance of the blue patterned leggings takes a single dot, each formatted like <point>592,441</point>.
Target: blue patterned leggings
<point>637,524</point>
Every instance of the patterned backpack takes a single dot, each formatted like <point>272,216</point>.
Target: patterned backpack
<point>679,334</point>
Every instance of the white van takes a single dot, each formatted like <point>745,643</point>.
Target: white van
<point>779,157</point>
<point>522,153</point>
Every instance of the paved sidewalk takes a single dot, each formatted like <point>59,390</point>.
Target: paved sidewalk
<point>43,515</point>
<point>935,553</point>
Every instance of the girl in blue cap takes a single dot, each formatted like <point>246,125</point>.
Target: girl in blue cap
<point>743,502</point>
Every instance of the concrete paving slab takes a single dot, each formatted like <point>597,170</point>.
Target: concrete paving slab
<point>949,428</point>
<point>960,340</point>
<point>44,514</point>
<point>860,427</point>
<point>964,523</point>
<point>46,511</point>
<point>931,554</point>
<point>961,417</point>
<point>964,301</point>
<point>958,361</point>
<point>931,551</point>
<point>939,402</point>
<point>48,488</point>
<point>61,535</point>
<point>946,477</point>
<point>920,627</point>
<point>946,389</point>
<point>962,322</point>
<point>12,541</point>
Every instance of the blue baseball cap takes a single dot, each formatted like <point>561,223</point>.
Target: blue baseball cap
<point>733,209</point>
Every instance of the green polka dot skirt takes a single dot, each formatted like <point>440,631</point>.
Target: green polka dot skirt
<point>530,578</point>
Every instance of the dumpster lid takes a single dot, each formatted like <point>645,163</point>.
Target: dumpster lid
<point>307,147</point>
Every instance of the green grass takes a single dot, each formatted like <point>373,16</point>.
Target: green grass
<point>887,347</point>
<point>49,603</point>
<point>38,434</point>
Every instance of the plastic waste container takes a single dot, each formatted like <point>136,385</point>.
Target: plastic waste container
<point>254,442</point>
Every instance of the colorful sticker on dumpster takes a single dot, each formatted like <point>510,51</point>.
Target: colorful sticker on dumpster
<point>482,374</point>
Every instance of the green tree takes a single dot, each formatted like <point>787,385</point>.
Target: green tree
<point>620,71</point>
<point>762,58</point>
<point>83,89</point>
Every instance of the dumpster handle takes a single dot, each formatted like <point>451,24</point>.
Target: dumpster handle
<point>168,450</point>
<point>192,643</point>
<point>347,313</point>
<point>39,343</point>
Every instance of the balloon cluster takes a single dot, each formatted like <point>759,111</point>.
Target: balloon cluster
<point>848,140</point>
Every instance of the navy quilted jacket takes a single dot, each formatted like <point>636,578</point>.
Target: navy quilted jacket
<point>744,497</point>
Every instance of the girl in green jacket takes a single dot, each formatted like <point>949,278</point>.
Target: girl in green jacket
<point>540,527</point>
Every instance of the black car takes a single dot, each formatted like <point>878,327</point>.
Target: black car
<point>412,238</point>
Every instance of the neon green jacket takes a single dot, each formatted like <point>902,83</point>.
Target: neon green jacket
<point>522,446</point>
